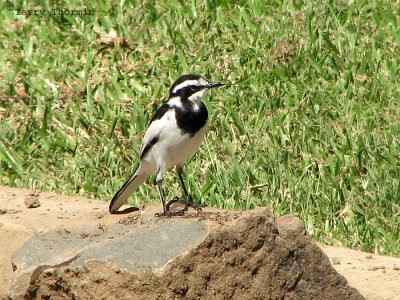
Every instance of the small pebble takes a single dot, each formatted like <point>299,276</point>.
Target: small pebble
<point>396,268</point>
<point>369,256</point>
<point>32,202</point>
<point>335,261</point>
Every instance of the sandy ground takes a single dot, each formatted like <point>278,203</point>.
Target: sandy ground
<point>375,276</point>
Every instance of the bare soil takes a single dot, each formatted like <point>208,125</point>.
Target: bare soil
<point>23,212</point>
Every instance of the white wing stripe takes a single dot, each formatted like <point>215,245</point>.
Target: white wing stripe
<point>175,101</point>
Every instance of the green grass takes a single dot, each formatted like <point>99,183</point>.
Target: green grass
<point>311,126</point>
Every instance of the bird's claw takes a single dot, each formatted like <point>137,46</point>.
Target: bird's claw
<point>189,203</point>
<point>186,202</point>
<point>197,207</point>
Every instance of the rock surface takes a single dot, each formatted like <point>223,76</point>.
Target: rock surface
<point>136,251</point>
<point>205,255</point>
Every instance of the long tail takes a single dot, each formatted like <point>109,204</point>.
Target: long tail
<point>127,189</point>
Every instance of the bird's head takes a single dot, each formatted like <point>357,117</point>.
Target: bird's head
<point>192,87</point>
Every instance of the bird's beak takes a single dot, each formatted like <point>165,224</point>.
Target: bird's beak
<point>215,84</point>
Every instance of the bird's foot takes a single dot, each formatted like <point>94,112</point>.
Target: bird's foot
<point>186,203</point>
<point>167,209</point>
<point>198,207</point>
<point>189,203</point>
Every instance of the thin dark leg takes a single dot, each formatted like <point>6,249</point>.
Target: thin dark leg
<point>159,184</point>
<point>166,212</point>
<point>189,200</point>
<point>179,171</point>
<point>160,189</point>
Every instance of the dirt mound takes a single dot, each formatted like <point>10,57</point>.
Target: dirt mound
<point>253,257</point>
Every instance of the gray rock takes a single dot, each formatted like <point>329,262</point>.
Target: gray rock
<point>207,255</point>
<point>136,249</point>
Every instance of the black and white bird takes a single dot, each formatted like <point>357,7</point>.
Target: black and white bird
<point>174,135</point>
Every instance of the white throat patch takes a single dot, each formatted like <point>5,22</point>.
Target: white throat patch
<point>196,98</point>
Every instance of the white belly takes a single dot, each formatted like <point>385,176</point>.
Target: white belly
<point>173,147</point>
<point>185,148</point>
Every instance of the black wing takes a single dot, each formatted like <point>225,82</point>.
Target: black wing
<point>160,112</point>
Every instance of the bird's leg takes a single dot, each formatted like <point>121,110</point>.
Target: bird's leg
<point>160,189</point>
<point>166,212</point>
<point>180,171</point>
<point>189,200</point>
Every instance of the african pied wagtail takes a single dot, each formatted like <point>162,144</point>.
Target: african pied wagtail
<point>174,135</point>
